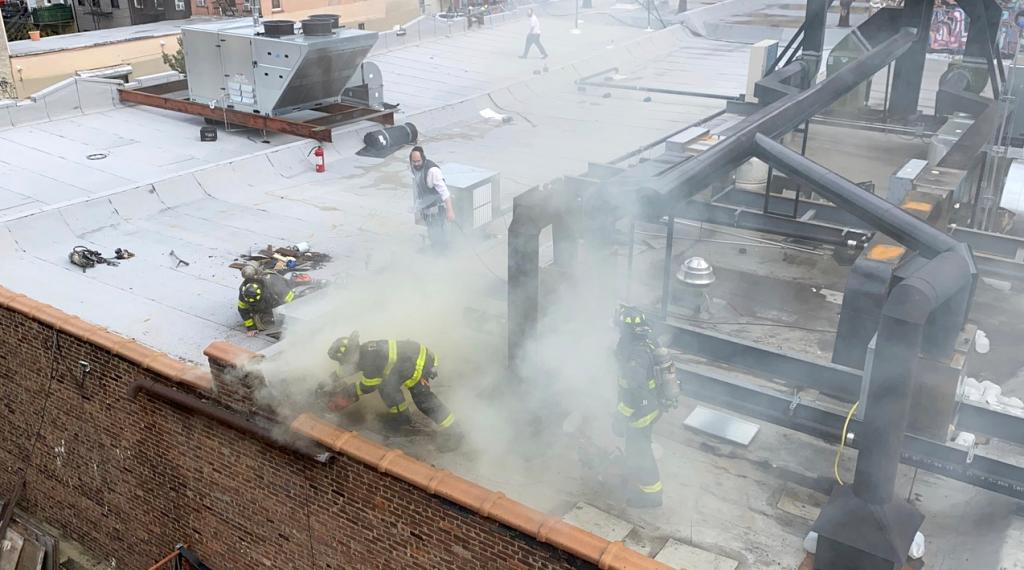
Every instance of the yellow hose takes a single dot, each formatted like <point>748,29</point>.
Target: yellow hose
<point>842,442</point>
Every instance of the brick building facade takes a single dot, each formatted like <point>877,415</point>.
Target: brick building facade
<point>130,477</point>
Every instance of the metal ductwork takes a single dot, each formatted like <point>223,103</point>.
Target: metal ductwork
<point>274,70</point>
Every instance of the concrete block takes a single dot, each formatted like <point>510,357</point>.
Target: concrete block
<point>679,555</point>
<point>5,118</point>
<point>96,96</point>
<point>27,112</point>
<point>598,522</point>
<point>85,217</point>
<point>137,202</point>
<point>61,100</point>
<point>179,190</point>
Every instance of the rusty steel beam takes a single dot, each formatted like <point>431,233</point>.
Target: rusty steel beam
<point>322,134</point>
<point>336,117</point>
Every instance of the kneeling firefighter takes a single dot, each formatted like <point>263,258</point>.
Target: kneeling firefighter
<point>389,366</point>
<point>647,388</point>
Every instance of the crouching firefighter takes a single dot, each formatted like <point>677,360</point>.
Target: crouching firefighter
<point>647,388</point>
<point>258,296</point>
<point>388,366</point>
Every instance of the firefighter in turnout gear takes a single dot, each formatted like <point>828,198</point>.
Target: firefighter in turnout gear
<point>388,366</point>
<point>258,295</point>
<point>647,387</point>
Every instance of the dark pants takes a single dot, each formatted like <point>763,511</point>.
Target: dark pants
<point>437,227</point>
<point>642,474</point>
<point>534,40</point>
<point>391,393</point>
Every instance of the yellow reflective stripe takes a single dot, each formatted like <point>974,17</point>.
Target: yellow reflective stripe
<point>371,381</point>
<point>625,410</point>
<point>645,421</point>
<point>652,384</point>
<point>249,322</point>
<point>359,389</point>
<point>421,360</point>
<point>289,297</point>
<point>392,357</point>
<point>243,305</point>
<point>436,360</point>
<point>651,488</point>
<point>399,408</point>
<point>623,383</point>
<point>447,421</point>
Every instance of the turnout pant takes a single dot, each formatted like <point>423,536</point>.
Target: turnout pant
<point>644,486</point>
<point>391,393</point>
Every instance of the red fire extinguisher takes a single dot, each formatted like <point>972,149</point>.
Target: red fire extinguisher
<point>318,152</point>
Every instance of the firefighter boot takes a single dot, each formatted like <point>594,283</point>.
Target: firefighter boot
<point>449,439</point>
<point>399,423</point>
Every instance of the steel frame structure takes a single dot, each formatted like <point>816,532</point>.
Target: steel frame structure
<point>167,96</point>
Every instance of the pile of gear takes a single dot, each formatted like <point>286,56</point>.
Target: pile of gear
<point>86,258</point>
<point>296,257</point>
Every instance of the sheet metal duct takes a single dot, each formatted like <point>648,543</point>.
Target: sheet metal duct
<point>232,64</point>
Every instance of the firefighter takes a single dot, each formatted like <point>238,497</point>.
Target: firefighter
<point>388,366</point>
<point>258,295</point>
<point>647,388</point>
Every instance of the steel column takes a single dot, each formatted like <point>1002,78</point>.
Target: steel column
<point>909,69</point>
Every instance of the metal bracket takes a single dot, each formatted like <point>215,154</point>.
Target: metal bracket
<point>794,402</point>
<point>83,369</point>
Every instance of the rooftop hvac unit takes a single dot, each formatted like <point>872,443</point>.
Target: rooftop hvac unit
<point>280,68</point>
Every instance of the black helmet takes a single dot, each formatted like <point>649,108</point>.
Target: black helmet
<point>252,292</point>
<point>632,319</point>
<point>339,350</point>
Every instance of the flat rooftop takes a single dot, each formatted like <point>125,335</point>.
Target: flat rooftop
<point>157,189</point>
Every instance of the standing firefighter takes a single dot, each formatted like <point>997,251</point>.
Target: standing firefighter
<point>389,366</point>
<point>258,296</point>
<point>647,386</point>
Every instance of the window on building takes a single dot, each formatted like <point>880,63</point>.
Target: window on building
<point>81,2</point>
<point>275,4</point>
<point>115,4</point>
<point>138,4</point>
<point>159,5</point>
<point>179,5</point>
<point>201,3</point>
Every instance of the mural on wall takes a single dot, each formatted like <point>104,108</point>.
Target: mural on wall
<point>950,25</point>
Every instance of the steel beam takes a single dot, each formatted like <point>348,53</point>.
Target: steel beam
<point>837,381</point>
<point>887,218</point>
<point>772,224</point>
<point>692,176</point>
<point>806,210</point>
<point>1002,245</point>
<point>950,462</point>
<point>316,129</point>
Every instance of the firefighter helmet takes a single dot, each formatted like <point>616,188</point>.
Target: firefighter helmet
<point>339,350</point>
<point>632,319</point>
<point>249,271</point>
<point>252,292</point>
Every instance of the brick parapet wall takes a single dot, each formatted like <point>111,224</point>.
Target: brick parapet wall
<point>130,478</point>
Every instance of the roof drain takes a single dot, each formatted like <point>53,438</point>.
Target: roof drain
<point>230,419</point>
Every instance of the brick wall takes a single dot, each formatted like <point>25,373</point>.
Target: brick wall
<point>130,478</point>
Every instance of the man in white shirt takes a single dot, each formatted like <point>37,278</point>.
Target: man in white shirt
<point>533,37</point>
<point>431,199</point>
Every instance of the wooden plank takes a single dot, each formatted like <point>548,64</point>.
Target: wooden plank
<point>9,557</point>
<point>263,122</point>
